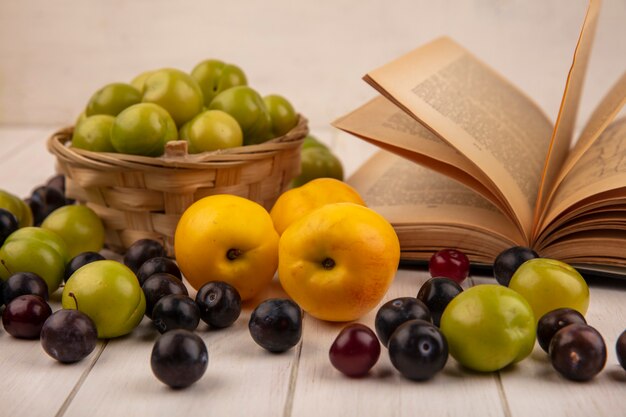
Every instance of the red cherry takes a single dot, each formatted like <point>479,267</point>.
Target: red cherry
<point>449,263</point>
<point>355,350</point>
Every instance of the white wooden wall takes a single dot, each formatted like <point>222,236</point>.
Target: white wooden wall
<point>55,53</point>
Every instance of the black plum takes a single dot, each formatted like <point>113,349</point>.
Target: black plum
<point>158,286</point>
<point>8,224</point>
<point>175,311</point>
<point>436,294</point>
<point>578,352</point>
<point>219,304</point>
<point>156,265</point>
<point>79,261</point>
<point>37,210</point>
<point>69,336</point>
<point>276,324</point>
<point>142,250</point>
<point>418,350</point>
<point>395,312</point>
<point>620,349</point>
<point>24,283</point>
<point>508,261</point>
<point>25,315</point>
<point>553,321</point>
<point>179,358</point>
<point>43,201</point>
<point>355,350</point>
<point>58,182</point>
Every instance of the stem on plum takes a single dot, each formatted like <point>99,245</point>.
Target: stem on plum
<point>328,263</point>
<point>71,294</point>
<point>233,254</point>
<point>5,267</point>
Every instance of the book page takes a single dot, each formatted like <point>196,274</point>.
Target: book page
<point>604,114</point>
<point>603,203</point>
<point>383,124</point>
<point>599,170</point>
<point>478,112</point>
<point>599,246</point>
<point>601,220</point>
<point>564,127</point>
<point>429,210</point>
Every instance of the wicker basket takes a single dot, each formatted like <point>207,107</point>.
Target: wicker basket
<point>142,197</point>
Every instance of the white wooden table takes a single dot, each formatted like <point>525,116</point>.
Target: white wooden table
<point>244,380</point>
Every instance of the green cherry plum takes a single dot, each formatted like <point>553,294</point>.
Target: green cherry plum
<point>282,114</point>
<point>94,134</point>
<point>183,134</point>
<point>311,141</point>
<point>32,255</point>
<point>143,129</point>
<point>489,327</point>
<point>79,226</point>
<point>248,108</point>
<point>140,80</point>
<point>317,162</point>
<point>212,130</point>
<point>109,293</point>
<point>48,237</point>
<point>18,207</point>
<point>214,76</point>
<point>112,99</point>
<point>176,91</point>
<point>549,284</point>
<point>82,116</point>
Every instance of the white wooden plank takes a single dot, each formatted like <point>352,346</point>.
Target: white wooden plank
<point>32,383</point>
<point>322,390</point>
<point>241,380</point>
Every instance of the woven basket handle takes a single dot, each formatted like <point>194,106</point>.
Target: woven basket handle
<point>176,149</point>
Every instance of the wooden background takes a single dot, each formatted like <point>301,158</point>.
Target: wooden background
<point>54,54</point>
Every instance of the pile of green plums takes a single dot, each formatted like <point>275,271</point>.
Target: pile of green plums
<point>45,250</point>
<point>211,108</point>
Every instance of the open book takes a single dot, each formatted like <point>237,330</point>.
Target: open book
<point>494,172</point>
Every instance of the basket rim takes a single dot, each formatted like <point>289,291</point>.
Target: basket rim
<point>57,144</point>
